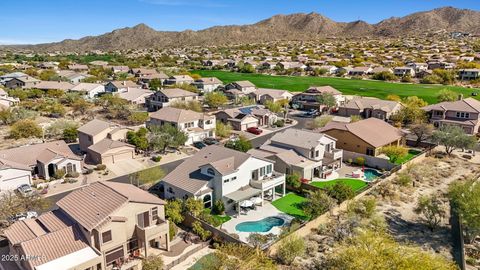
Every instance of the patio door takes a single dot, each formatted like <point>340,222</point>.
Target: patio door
<point>143,220</point>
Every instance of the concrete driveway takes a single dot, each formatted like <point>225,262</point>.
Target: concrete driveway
<point>126,167</point>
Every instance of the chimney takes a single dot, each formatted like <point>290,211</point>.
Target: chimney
<point>460,97</point>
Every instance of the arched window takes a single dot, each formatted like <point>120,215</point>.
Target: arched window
<point>207,201</point>
<point>210,171</point>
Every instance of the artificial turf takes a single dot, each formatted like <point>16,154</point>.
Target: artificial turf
<point>291,204</point>
<point>355,184</point>
<point>379,89</point>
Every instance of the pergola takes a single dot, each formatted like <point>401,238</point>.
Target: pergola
<point>243,194</point>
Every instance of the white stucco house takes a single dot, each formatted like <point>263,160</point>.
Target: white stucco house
<point>90,90</point>
<point>219,173</point>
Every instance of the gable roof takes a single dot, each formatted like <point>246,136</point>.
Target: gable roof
<point>371,103</point>
<point>274,93</point>
<point>175,115</point>
<point>176,92</point>
<point>464,105</point>
<point>244,84</point>
<point>92,205</point>
<point>373,131</point>
<point>323,90</point>
<point>187,175</point>
<point>86,87</point>
<point>300,138</point>
<point>95,126</point>
<point>49,85</point>
<point>106,144</point>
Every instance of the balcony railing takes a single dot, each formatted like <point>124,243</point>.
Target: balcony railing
<point>335,154</point>
<point>154,230</point>
<point>269,181</point>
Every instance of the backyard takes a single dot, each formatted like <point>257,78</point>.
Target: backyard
<point>355,184</point>
<point>379,89</point>
<point>411,154</point>
<point>291,204</point>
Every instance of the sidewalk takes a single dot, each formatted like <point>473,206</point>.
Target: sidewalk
<point>84,180</point>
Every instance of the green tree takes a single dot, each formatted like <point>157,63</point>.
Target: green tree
<point>446,95</point>
<point>81,106</point>
<point>192,105</point>
<point>453,137</point>
<point>432,209</point>
<point>241,144</point>
<point>422,131</point>
<point>394,152</point>
<point>273,106</point>
<point>384,76</point>
<point>290,248</point>
<point>155,84</point>
<point>47,75</point>
<point>25,129</point>
<point>166,136</point>
<point>321,121</point>
<point>138,139</point>
<point>215,99</point>
<point>293,180</point>
<point>465,200</point>
<point>223,130</point>
<point>317,203</point>
<point>70,134</point>
<point>173,211</point>
<point>394,98</point>
<point>152,262</point>
<point>411,112</point>
<point>13,204</point>
<point>328,100</point>
<point>137,118</point>
<point>193,206</point>
<point>340,191</point>
<point>238,257</point>
<point>219,207</point>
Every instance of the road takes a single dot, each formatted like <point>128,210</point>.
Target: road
<point>168,167</point>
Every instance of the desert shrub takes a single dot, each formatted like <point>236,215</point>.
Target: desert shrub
<point>219,207</point>
<point>290,248</point>
<point>200,231</point>
<point>101,167</point>
<point>360,161</point>
<point>73,175</point>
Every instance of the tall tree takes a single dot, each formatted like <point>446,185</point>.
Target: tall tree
<point>422,131</point>
<point>453,137</point>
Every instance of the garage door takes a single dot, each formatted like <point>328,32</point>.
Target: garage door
<point>252,125</point>
<point>122,156</point>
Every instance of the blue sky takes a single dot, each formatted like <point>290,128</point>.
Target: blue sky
<point>37,21</point>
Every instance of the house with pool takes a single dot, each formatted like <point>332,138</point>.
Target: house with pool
<point>306,153</point>
<point>219,173</point>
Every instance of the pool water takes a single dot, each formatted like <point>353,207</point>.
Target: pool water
<point>371,174</point>
<point>263,225</point>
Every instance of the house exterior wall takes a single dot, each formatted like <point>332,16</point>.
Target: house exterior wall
<point>11,178</point>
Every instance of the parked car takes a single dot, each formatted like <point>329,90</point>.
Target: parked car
<point>310,113</point>
<point>210,141</point>
<point>254,130</point>
<point>23,216</point>
<point>199,145</point>
<point>25,190</point>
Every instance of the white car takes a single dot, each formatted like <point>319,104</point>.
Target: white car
<point>23,216</point>
<point>25,190</point>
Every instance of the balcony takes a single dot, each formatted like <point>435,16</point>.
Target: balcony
<point>268,182</point>
<point>335,154</point>
<point>152,231</point>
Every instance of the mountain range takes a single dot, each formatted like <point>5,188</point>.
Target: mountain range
<point>299,26</point>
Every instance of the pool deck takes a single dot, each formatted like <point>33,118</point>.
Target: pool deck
<point>267,210</point>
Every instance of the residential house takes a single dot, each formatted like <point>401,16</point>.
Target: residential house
<point>6,77</point>
<point>246,117</point>
<point>404,71</point>
<point>219,173</point>
<point>142,72</point>
<point>135,95</point>
<point>464,113</point>
<point>418,67</point>
<point>365,137</point>
<point>197,126</point>
<point>262,95</point>
<point>103,226</point>
<point>359,71</point>
<point>245,87</point>
<point>120,69</point>
<point>146,79</point>
<point>207,85</point>
<point>469,74</point>
<point>22,82</point>
<point>179,79</point>
<point>72,76</point>
<point>78,67</point>
<point>7,101</point>
<point>306,153</point>
<point>90,90</point>
<point>43,160</point>
<point>309,99</point>
<point>119,86</point>
<point>54,85</point>
<point>291,65</point>
<point>377,70</point>
<point>103,142</point>
<point>167,96</point>
<point>367,107</point>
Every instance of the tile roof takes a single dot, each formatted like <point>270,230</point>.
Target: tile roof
<point>106,144</point>
<point>177,92</point>
<point>86,87</point>
<point>323,90</point>
<point>298,138</point>
<point>374,131</point>
<point>187,175</point>
<point>176,115</point>
<point>371,103</point>
<point>464,105</point>
<point>51,85</point>
<point>95,126</point>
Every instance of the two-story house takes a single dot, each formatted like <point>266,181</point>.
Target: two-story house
<point>367,107</point>
<point>219,173</point>
<point>89,90</point>
<point>404,71</point>
<point>103,142</point>
<point>469,74</point>
<point>179,79</point>
<point>309,99</point>
<point>464,113</point>
<point>262,95</point>
<point>306,153</point>
<point>207,85</point>
<point>119,86</point>
<point>167,96</point>
<point>243,86</point>
<point>197,126</point>
<point>103,226</point>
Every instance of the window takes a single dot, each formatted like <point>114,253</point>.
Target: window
<point>226,180</point>
<point>438,113</point>
<point>233,178</point>
<point>114,254</point>
<point>262,171</point>
<point>269,169</point>
<point>106,237</point>
<point>210,171</point>
<point>155,213</point>
<point>170,190</point>
<point>370,152</point>
<point>317,153</point>
<point>143,220</point>
<point>463,115</point>
<point>207,201</point>
<point>132,245</point>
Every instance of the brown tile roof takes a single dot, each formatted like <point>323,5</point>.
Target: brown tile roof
<point>123,84</point>
<point>92,206</point>
<point>175,115</point>
<point>107,144</point>
<point>371,103</point>
<point>48,85</point>
<point>372,130</point>
<point>177,92</point>
<point>95,126</point>
<point>324,89</point>
<point>209,80</point>
<point>28,155</point>
<point>187,175</point>
<point>464,105</point>
<point>298,137</point>
<point>54,245</point>
<point>5,164</point>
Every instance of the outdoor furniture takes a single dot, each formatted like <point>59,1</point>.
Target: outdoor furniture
<point>246,203</point>
<point>256,200</point>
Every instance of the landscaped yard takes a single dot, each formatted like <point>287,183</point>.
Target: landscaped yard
<point>370,88</point>
<point>222,219</point>
<point>291,204</point>
<point>355,184</point>
<point>205,263</point>
<point>411,153</point>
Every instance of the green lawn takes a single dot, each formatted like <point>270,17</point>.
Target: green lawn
<point>355,184</point>
<point>291,204</point>
<point>370,88</point>
<point>222,219</point>
<point>409,156</point>
<point>205,263</point>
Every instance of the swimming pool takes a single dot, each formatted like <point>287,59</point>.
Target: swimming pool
<point>263,225</point>
<point>371,174</point>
